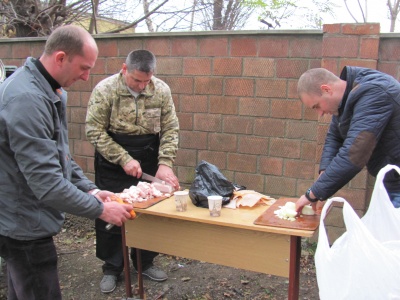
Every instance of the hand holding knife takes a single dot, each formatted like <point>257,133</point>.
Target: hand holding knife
<point>150,178</point>
<point>119,200</point>
<point>161,185</point>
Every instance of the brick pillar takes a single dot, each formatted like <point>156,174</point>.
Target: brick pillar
<point>350,45</point>
<point>347,45</point>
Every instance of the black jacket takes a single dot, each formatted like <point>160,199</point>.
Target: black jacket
<point>366,132</point>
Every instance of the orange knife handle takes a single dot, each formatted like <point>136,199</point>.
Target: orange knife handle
<point>133,214</point>
<point>119,200</point>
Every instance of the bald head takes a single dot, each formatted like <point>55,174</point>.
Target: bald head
<point>311,81</point>
<point>321,90</point>
<point>70,39</point>
<point>69,55</point>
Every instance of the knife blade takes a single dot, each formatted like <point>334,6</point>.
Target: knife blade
<point>159,184</point>
<point>109,225</point>
<point>152,178</point>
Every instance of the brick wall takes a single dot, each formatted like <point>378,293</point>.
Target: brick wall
<point>235,94</point>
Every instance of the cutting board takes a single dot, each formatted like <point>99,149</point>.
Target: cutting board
<point>148,203</point>
<point>268,218</point>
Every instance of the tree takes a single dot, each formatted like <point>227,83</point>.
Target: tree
<point>393,12</point>
<point>32,18</point>
<point>146,9</point>
<point>93,19</point>
<point>224,14</point>
<point>40,17</point>
<point>21,18</point>
<point>363,10</point>
<point>296,14</point>
<point>146,17</point>
<point>199,15</point>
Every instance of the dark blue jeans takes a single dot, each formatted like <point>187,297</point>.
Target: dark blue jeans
<point>31,269</point>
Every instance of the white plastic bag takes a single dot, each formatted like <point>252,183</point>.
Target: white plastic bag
<point>364,263</point>
<point>382,220</point>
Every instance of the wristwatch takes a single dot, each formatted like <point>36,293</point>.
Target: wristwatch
<point>307,194</point>
<point>94,192</point>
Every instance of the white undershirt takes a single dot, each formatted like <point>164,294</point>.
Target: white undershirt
<point>134,94</point>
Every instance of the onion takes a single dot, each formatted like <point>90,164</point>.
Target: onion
<point>288,211</point>
<point>307,210</point>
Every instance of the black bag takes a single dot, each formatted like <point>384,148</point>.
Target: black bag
<point>209,181</point>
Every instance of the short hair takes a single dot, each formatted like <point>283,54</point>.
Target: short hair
<point>141,60</point>
<point>310,81</point>
<point>69,38</point>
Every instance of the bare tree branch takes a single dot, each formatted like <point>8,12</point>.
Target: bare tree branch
<point>393,12</point>
<point>362,10</point>
<point>133,24</point>
<point>192,18</point>
<point>146,9</point>
<point>349,11</point>
<point>93,19</point>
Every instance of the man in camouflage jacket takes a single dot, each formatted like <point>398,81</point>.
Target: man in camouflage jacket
<point>132,123</point>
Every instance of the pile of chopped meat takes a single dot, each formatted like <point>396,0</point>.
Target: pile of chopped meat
<point>141,192</point>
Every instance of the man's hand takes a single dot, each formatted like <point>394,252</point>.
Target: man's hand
<point>133,168</point>
<point>116,213</point>
<point>303,201</point>
<point>104,196</point>
<point>166,174</point>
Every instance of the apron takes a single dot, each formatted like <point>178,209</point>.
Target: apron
<point>112,177</point>
<point>143,148</point>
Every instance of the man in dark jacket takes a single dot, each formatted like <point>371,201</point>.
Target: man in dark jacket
<point>364,131</point>
<point>39,180</point>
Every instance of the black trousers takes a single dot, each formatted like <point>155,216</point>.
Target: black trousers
<point>112,177</point>
<point>31,268</point>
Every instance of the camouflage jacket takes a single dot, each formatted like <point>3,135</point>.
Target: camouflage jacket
<point>112,108</point>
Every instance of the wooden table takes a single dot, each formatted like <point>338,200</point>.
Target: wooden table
<point>231,240</point>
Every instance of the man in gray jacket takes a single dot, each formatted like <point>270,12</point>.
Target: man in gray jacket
<point>39,180</point>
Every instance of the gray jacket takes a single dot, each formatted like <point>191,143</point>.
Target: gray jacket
<point>39,180</point>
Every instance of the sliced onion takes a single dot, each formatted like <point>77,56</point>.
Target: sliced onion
<point>307,210</point>
<point>288,211</point>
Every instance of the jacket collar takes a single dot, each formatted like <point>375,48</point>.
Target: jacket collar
<point>346,75</point>
<point>54,84</point>
<point>54,95</point>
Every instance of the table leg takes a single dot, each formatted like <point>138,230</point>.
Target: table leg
<point>140,275</point>
<point>127,271</point>
<point>294,267</point>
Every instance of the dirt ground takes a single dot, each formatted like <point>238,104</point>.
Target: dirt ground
<point>80,274</point>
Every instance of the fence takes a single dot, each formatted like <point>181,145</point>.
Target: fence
<point>235,95</point>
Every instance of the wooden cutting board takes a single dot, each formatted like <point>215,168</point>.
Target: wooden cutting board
<point>268,218</point>
<point>148,203</point>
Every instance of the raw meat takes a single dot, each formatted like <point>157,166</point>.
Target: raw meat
<point>141,192</point>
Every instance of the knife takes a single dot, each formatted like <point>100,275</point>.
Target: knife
<point>152,178</point>
<point>159,184</point>
<point>109,225</point>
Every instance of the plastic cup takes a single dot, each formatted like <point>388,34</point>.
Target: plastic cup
<point>215,205</point>
<point>181,199</point>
